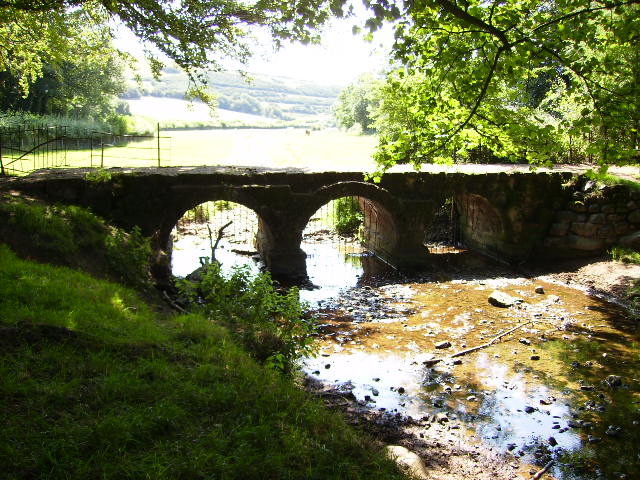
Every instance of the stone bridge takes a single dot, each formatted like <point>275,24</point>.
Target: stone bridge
<point>503,215</point>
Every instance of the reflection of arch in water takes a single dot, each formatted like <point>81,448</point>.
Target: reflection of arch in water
<point>379,232</point>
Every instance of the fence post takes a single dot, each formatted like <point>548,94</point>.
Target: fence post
<point>158,137</point>
<point>102,155</point>
<point>2,172</point>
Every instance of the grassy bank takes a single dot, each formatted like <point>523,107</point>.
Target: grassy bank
<point>94,383</point>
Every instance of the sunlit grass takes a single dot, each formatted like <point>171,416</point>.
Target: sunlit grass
<point>324,149</point>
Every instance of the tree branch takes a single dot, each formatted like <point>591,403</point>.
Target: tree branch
<point>457,12</point>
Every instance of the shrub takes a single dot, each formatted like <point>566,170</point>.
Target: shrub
<point>271,325</point>
<point>347,215</point>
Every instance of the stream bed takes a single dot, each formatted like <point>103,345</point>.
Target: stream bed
<point>563,386</point>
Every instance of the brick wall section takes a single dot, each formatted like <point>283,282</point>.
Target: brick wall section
<point>596,218</point>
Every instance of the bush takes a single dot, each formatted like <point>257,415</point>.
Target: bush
<point>347,215</point>
<point>269,324</point>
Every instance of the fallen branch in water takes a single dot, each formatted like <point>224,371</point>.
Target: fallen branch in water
<point>479,347</point>
<point>546,468</point>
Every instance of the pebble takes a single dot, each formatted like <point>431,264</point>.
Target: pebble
<point>552,441</point>
<point>525,341</point>
<point>328,365</point>
<point>441,345</point>
<point>539,289</point>
<point>613,431</point>
<point>614,381</point>
<point>529,409</point>
<point>535,357</point>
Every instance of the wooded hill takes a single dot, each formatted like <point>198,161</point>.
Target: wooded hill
<point>268,96</point>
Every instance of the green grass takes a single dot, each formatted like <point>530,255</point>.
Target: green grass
<point>94,385</point>
<point>325,149</point>
<point>71,235</point>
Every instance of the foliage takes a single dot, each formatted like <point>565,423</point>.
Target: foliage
<point>72,235</point>
<point>98,175</point>
<point>347,215</point>
<point>96,385</point>
<point>270,325</point>
<point>356,102</point>
<point>74,127</point>
<point>67,64</point>
<point>529,81</point>
<point>625,255</point>
<point>195,35</point>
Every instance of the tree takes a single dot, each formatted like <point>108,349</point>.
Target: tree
<point>528,79</point>
<point>356,102</point>
<point>84,83</point>
<point>195,34</point>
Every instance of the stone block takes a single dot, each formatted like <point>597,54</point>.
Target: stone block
<point>586,244</point>
<point>584,229</point>
<point>608,208</point>
<point>631,205</point>
<point>565,216</point>
<point>613,218</point>
<point>578,206</point>
<point>594,208</point>
<point>559,229</point>
<point>556,242</point>
<point>606,231</point>
<point>622,228</point>
<point>634,217</point>
<point>598,218</point>
<point>630,241</point>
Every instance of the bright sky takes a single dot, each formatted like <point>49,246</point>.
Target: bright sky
<point>339,60</point>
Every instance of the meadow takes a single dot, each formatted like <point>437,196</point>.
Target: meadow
<point>324,149</point>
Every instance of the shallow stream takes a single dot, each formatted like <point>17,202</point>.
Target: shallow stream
<point>563,385</point>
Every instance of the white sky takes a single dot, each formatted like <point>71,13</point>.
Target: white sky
<point>338,60</point>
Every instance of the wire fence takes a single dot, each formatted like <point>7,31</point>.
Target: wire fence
<point>26,149</point>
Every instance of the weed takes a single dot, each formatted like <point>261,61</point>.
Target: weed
<point>98,175</point>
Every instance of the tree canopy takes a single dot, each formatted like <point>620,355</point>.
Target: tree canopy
<point>357,102</point>
<point>529,80</point>
<point>195,34</point>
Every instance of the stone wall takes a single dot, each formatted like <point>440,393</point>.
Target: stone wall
<point>593,220</point>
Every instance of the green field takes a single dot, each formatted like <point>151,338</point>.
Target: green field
<point>324,149</point>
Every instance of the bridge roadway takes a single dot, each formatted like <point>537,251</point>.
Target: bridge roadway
<point>504,211</point>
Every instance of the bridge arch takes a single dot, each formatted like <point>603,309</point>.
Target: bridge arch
<point>380,229</point>
<point>182,205</point>
<point>481,223</point>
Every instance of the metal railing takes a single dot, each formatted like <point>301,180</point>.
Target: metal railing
<point>26,149</point>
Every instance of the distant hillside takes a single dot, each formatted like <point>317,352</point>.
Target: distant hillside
<point>280,98</point>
